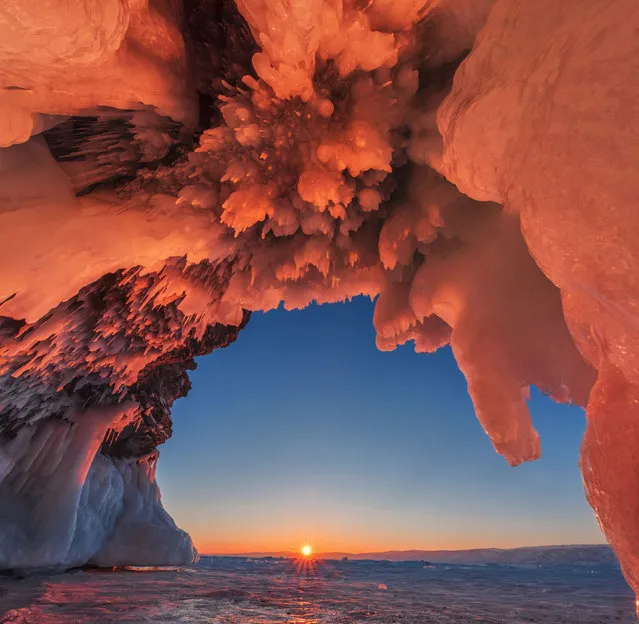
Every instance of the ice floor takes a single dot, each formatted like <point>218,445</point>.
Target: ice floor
<point>239,591</point>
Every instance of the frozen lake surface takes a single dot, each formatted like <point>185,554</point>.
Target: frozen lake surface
<point>273,591</point>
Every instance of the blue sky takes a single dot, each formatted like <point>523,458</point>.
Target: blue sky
<point>301,431</point>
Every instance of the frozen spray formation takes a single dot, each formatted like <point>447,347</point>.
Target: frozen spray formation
<point>171,166</point>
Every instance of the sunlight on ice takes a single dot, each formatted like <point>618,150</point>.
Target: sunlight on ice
<point>495,212</point>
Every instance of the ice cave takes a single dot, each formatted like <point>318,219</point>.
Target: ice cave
<point>169,166</point>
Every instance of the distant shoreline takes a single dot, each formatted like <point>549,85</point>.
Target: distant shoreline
<point>524,555</point>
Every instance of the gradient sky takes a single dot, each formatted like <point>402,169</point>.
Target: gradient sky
<point>301,431</point>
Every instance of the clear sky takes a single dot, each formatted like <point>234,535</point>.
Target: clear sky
<point>301,431</point>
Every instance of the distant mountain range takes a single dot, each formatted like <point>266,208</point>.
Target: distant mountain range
<point>534,555</point>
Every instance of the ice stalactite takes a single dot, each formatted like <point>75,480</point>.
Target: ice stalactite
<point>485,197</point>
<point>506,324</point>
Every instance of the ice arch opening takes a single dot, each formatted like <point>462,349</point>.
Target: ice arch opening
<point>194,169</point>
<point>356,450</point>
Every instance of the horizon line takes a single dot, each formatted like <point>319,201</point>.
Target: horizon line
<point>253,553</point>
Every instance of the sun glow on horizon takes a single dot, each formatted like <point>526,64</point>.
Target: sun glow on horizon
<point>306,550</point>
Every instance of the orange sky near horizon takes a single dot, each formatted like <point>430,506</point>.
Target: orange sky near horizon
<point>213,547</point>
<point>282,520</point>
<point>363,539</point>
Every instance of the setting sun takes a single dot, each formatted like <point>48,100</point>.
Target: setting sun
<point>307,550</point>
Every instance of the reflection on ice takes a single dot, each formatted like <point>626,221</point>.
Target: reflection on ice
<point>241,591</point>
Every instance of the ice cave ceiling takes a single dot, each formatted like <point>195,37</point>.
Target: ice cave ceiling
<point>169,166</point>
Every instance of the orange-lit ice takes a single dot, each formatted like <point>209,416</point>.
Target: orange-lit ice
<point>493,211</point>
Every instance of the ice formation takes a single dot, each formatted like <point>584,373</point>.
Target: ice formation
<point>170,166</point>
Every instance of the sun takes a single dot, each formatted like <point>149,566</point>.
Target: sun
<point>307,550</point>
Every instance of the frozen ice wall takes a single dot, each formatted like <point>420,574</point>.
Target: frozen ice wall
<point>549,98</point>
<point>62,58</point>
<point>43,470</point>
<point>64,504</point>
<point>232,157</point>
<point>144,534</point>
<point>85,397</point>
